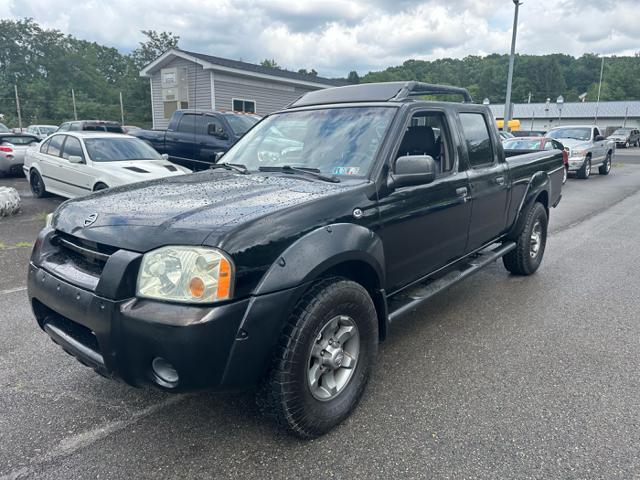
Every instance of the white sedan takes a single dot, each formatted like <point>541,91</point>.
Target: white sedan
<point>72,164</point>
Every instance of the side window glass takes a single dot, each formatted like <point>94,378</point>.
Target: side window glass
<point>72,147</point>
<point>45,146</point>
<point>64,127</point>
<point>187,124</point>
<point>428,134</point>
<point>595,133</point>
<point>477,138</point>
<point>203,124</point>
<point>55,146</point>
<point>76,127</point>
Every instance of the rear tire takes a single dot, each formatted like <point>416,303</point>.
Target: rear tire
<point>585,170</point>
<point>311,387</point>
<point>100,186</point>
<point>530,243</point>
<point>37,185</point>
<point>605,168</point>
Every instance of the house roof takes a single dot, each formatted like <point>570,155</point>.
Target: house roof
<point>571,110</point>
<point>244,68</point>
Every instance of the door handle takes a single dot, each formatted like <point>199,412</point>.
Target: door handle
<point>500,180</point>
<point>462,191</point>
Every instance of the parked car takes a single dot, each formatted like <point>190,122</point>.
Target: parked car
<point>76,163</point>
<point>505,135</point>
<point>12,149</point>
<point>4,128</point>
<point>130,128</point>
<point>587,148</point>
<point>522,145</point>
<point>286,271</point>
<point>194,138</point>
<point>528,133</point>
<point>41,131</point>
<point>625,137</point>
<point>91,126</point>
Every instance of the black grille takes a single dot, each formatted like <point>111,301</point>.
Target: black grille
<point>86,256</point>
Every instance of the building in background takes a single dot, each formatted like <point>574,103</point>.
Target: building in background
<point>542,116</point>
<point>181,79</point>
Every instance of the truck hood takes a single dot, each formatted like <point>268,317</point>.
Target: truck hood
<point>183,209</point>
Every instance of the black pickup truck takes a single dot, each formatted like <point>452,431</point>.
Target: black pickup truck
<point>285,269</point>
<point>194,137</point>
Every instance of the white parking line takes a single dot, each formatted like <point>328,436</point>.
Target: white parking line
<point>12,290</point>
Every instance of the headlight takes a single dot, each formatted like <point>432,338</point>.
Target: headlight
<point>186,274</point>
<point>578,152</point>
<point>48,220</point>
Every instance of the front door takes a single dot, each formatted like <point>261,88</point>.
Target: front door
<point>424,227</point>
<point>78,177</point>
<point>488,175</point>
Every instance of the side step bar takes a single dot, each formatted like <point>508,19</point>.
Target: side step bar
<point>407,301</point>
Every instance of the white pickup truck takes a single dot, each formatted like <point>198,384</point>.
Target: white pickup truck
<point>587,148</point>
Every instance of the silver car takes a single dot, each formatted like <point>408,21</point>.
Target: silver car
<point>41,131</point>
<point>13,147</point>
<point>587,148</point>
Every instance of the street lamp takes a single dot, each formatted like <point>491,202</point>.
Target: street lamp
<point>507,107</point>
<point>560,104</point>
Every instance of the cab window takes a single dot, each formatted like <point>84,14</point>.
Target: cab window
<point>428,134</point>
<point>477,138</point>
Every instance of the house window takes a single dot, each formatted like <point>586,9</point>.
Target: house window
<point>246,106</point>
<point>170,107</point>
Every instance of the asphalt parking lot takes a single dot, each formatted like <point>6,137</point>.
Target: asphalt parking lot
<point>499,377</point>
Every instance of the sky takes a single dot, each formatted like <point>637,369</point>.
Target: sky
<point>337,36</point>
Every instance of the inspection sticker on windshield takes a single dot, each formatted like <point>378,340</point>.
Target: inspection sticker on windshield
<point>346,170</point>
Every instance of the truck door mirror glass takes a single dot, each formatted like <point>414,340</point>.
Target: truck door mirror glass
<point>599,138</point>
<point>413,170</point>
<point>217,131</point>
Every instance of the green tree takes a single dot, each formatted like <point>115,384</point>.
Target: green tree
<point>269,62</point>
<point>353,77</point>
<point>156,44</point>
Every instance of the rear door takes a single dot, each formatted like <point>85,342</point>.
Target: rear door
<point>52,165</point>
<point>488,176</point>
<point>180,144</point>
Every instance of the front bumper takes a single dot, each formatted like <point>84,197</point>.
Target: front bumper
<point>576,163</point>
<point>221,347</point>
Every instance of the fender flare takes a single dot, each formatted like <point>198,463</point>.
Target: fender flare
<point>321,249</point>
<point>540,182</point>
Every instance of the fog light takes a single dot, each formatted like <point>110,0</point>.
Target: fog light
<point>165,372</point>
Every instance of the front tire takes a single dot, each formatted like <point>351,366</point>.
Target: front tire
<point>530,243</point>
<point>605,168</point>
<point>37,185</point>
<point>585,170</point>
<point>323,360</point>
<point>100,186</point>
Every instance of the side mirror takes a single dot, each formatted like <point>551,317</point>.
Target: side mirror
<point>217,157</point>
<point>75,159</point>
<point>599,138</point>
<point>216,131</point>
<point>165,156</point>
<point>413,170</point>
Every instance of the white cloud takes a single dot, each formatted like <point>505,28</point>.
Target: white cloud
<point>335,36</point>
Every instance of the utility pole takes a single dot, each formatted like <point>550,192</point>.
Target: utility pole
<point>507,107</point>
<point>15,87</point>
<point>599,90</point>
<point>121,110</point>
<point>529,98</point>
<point>73,100</point>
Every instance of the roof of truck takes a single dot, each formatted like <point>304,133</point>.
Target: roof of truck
<point>377,92</point>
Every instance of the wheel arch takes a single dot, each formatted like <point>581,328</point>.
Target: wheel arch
<point>537,191</point>
<point>340,250</point>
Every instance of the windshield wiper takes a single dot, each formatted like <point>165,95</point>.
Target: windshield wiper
<point>314,172</point>
<point>236,167</point>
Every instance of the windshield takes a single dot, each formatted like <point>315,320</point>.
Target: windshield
<point>576,133</point>
<point>47,130</point>
<point>522,144</point>
<point>336,141</point>
<point>240,124</point>
<point>622,131</point>
<point>119,149</point>
<point>3,128</point>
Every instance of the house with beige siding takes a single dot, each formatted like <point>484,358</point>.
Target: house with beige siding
<point>181,79</point>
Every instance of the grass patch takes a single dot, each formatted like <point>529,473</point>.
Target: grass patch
<point>23,245</point>
<point>41,216</point>
<point>2,246</point>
